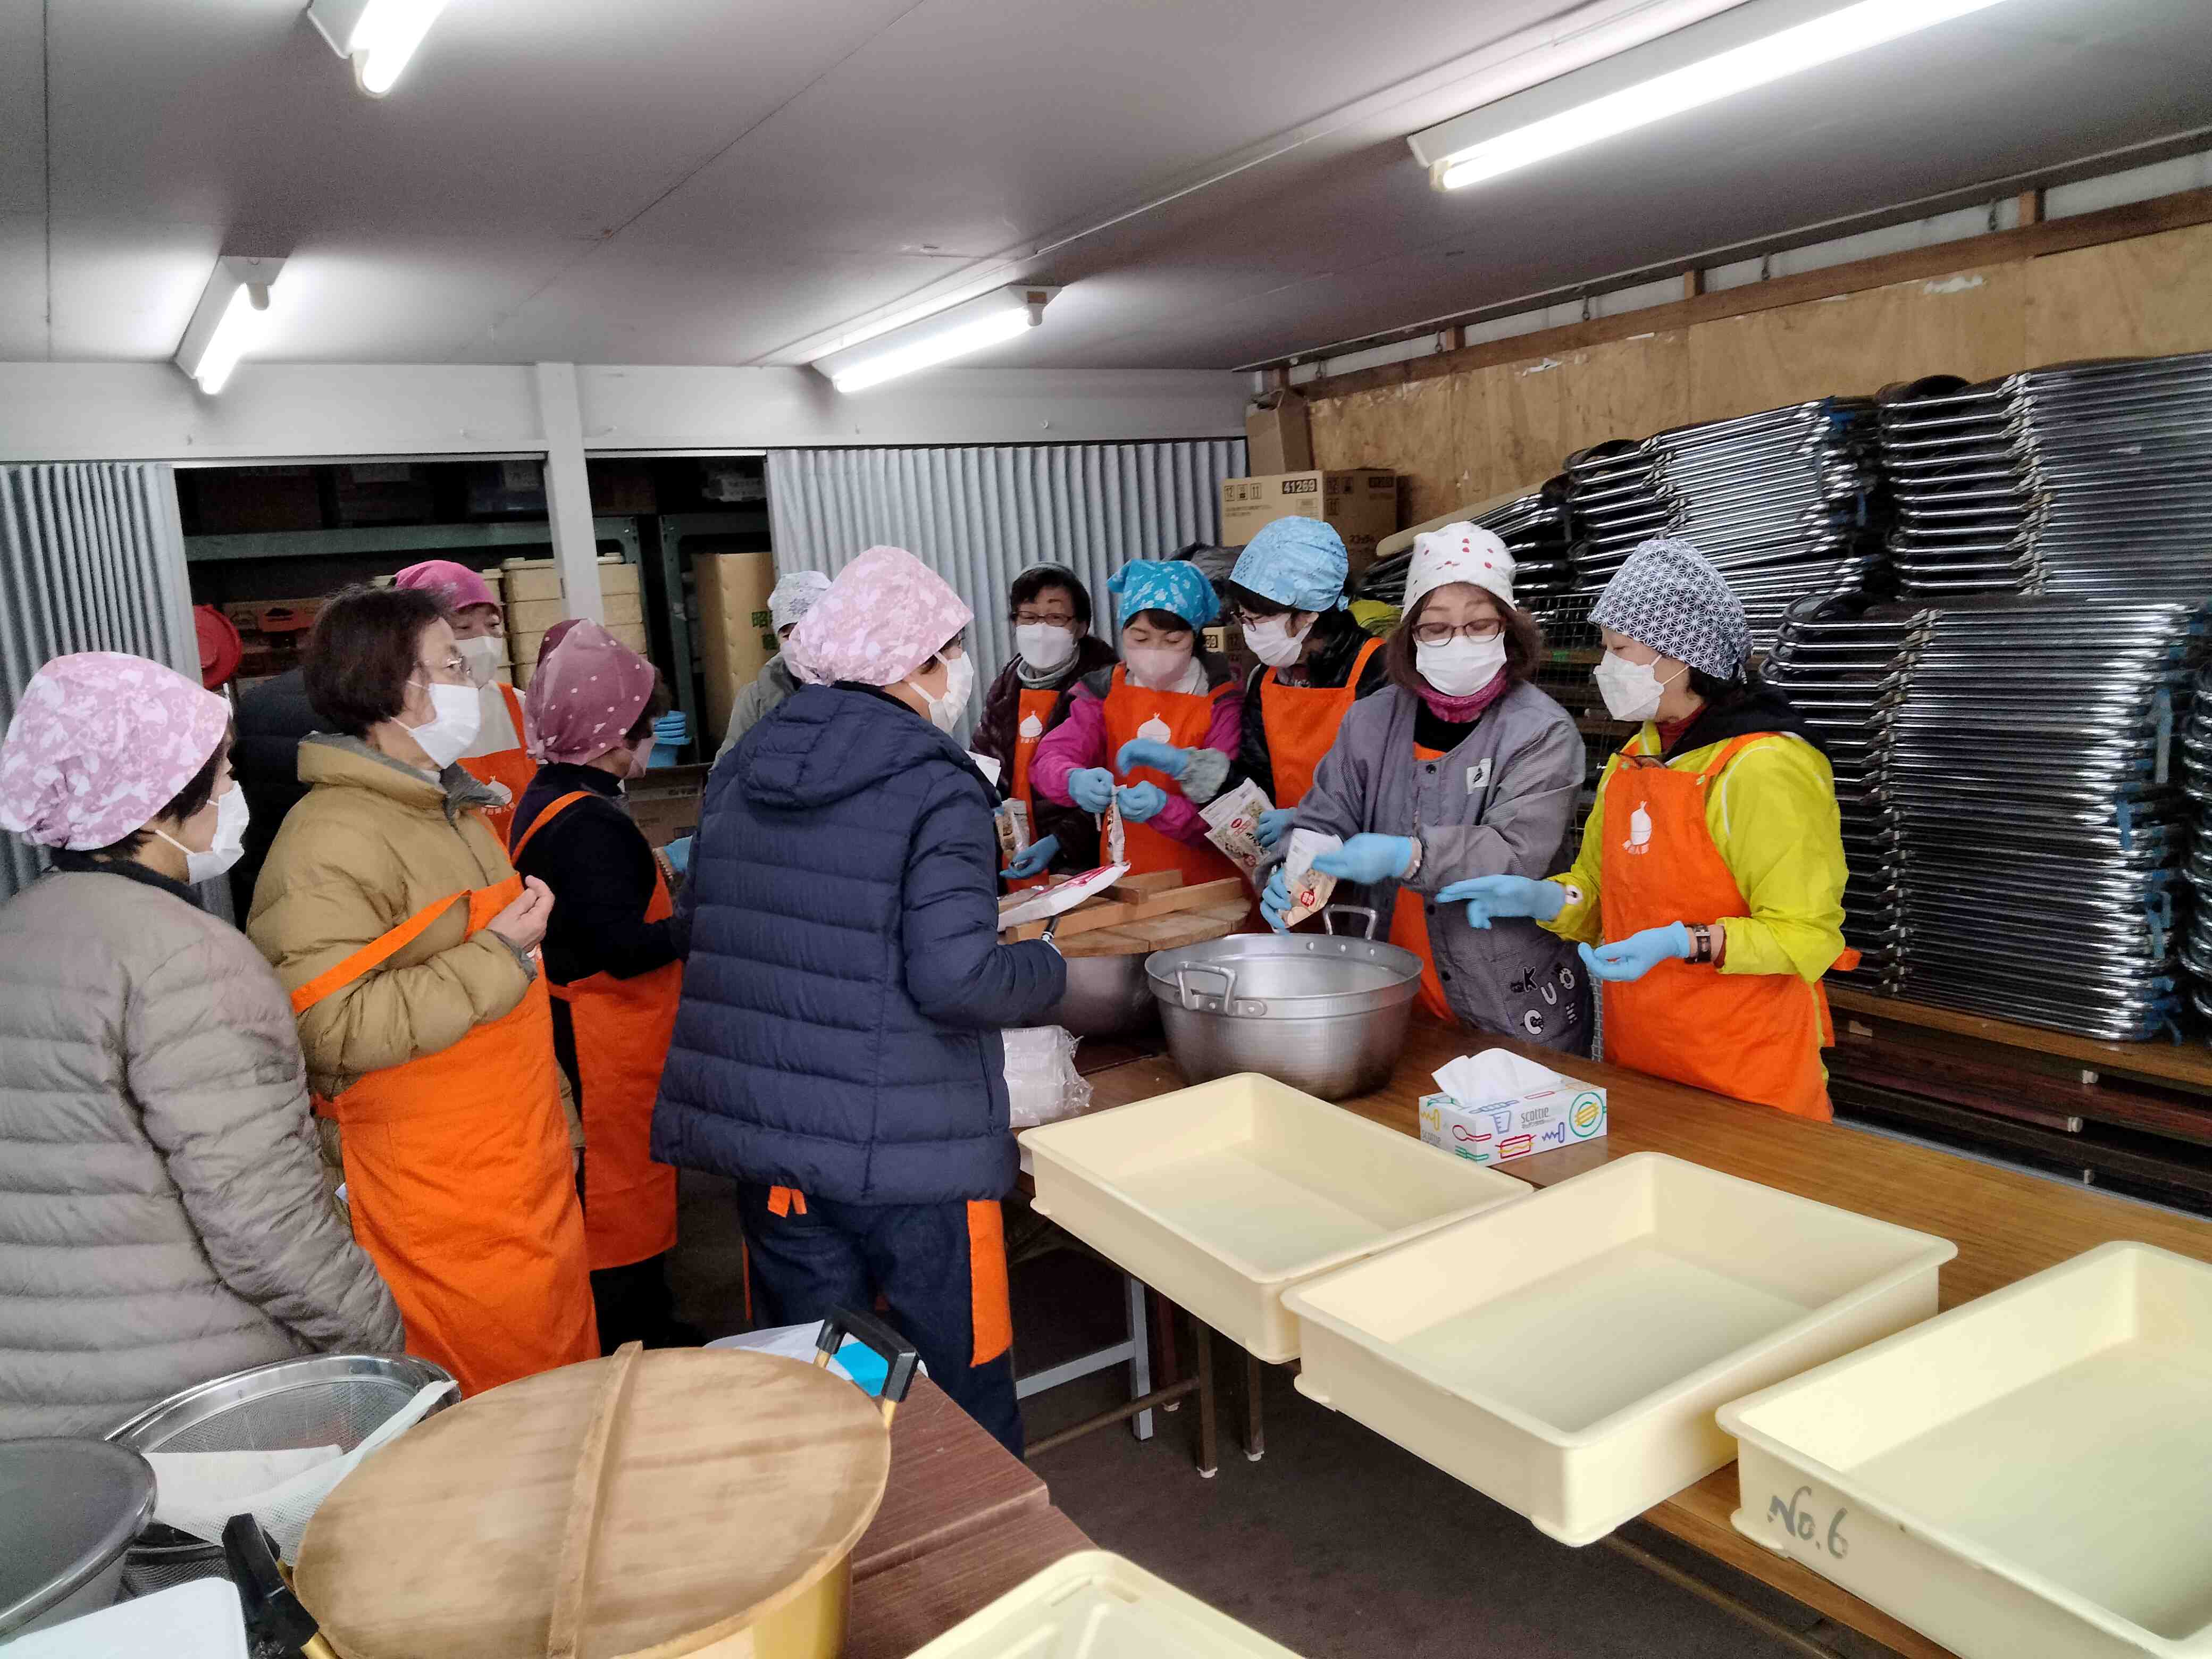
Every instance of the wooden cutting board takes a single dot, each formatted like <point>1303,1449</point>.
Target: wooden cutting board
<point>1166,933</point>
<point>727,1482</point>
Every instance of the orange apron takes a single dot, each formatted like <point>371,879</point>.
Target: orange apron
<point>1754,1036</point>
<point>622,1027</point>
<point>1409,919</point>
<point>1301,722</point>
<point>511,767</point>
<point>1187,718</point>
<point>458,1177</point>
<point>1029,706</point>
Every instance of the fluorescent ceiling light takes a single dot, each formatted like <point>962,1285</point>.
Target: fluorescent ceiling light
<point>228,319</point>
<point>1003,314</point>
<point>1749,45</point>
<point>376,36</point>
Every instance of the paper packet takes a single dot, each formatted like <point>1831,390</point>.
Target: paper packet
<point>1232,823</point>
<point>1012,818</point>
<point>1113,835</point>
<point>1309,888</point>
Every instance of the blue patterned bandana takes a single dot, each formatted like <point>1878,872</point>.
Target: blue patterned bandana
<point>1173,585</point>
<point>1668,595</point>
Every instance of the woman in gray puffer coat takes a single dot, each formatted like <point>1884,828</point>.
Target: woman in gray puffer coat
<point>162,1214</point>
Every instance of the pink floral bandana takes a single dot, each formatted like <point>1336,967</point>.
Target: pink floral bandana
<point>886,615</point>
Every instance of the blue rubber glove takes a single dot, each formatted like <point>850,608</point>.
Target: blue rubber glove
<point>1274,823</point>
<point>1160,757</point>
<point>1275,901</point>
<point>1488,899</point>
<point>1140,800</point>
<point>1367,860</point>
<point>678,853</point>
<point>1632,957</point>
<point>1091,789</point>
<point>1032,859</point>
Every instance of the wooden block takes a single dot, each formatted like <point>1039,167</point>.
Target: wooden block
<point>1150,881</point>
<point>1160,932</point>
<point>1101,913</point>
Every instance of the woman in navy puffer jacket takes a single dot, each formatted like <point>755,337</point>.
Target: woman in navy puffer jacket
<point>838,1050</point>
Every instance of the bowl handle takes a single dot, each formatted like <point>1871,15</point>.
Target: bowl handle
<point>1227,975</point>
<point>893,1350</point>
<point>1328,918</point>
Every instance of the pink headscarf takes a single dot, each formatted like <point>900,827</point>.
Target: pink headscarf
<point>554,635</point>
<point>100,742</point>
<point>886,614</point>
<point>587,694</point>
<point>456,584</point>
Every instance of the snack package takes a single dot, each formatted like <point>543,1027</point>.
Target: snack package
<point>1232,823</point>
<point>1309,888</point>
<point>1113,837</point>
<point>1012,819</point>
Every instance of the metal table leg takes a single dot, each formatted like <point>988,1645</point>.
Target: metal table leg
<point>1208,1458</point>
<point>1256,1438</point>
<point>1140,1355</point>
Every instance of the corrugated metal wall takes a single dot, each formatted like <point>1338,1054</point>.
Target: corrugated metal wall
<point>91,558</point>
<point>977,516</point>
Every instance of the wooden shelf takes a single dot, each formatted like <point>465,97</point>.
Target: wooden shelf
<point>2186,1065</point>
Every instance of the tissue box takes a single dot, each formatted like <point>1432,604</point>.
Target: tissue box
<point>1541,1121</point>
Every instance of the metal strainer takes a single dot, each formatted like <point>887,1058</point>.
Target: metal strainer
<point>323,1399</point>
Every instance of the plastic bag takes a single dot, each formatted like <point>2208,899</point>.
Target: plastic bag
<point>1042,1086</point>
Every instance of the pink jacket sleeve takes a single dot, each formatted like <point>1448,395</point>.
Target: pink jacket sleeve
<point>1179,818</point>
<point>1076,744</point>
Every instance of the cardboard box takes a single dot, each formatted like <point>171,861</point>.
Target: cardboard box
<point>737,633</point>
<point>1542,1121</point>
<point>1362,506</point>
<point>1278,433</point>
<point>536,615</point>
<point>665,802</point>
<point>540,578</point>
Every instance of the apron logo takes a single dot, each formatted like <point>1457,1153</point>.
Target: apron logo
<point>1533,1022</point>
<point>1639,832</point>
<point>1154,730</point>
<point>1032,729</point>
<point>1478,774</point>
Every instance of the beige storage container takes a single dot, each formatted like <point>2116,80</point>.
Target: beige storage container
<point>1222,1196</point>
<point>2029,1474</point>
<point>536,615</point>
<point>526,579</point>
<point>1566,1354</point>
<point>737,631</point>
<point>1096,1605</point>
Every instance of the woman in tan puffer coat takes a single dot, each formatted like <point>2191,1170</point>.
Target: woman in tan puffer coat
<point>163,1220</point>
<point>389,910</point>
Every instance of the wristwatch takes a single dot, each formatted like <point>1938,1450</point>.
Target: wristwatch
<point>1701,943</point>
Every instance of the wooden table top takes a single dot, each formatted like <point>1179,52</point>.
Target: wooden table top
<point>896,1612</point>
<point>2006,1225</point>
<point>948,1480</point>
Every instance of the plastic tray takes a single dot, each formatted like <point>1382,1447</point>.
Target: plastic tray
<point>1097,1606</point>
<point>2029,1474</point>
<point>1222,1196</point>
<point>1565,1354</point>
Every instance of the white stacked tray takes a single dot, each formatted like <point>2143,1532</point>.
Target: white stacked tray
<point>1565,1354</point>
<point>2029,1475</point>
<point>1097,1606</point>
<point>1224,1197</point>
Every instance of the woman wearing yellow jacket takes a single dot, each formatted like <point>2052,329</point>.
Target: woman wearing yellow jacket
<point>1712,863</point>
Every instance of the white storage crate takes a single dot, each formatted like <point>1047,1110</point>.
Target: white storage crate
<point>1096,1605</point>
<point>2027,1476</point>
<point>1566,1354</point>
<point>1222,1196</point>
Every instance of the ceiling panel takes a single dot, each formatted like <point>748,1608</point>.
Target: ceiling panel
<point>726,180</point>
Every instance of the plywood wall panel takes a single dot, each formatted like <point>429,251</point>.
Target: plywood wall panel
<point>2144,298</point>
<point>1519,422</point>
<point>1412,430</point>
<point>1971,323</point>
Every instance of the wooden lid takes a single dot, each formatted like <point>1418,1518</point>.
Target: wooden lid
<point>726,1482</point>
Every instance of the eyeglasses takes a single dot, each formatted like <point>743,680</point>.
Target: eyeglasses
<point>1444,633</point>
<point>1044,619</point>
<point>454,669</point>
<point>1244,618</point>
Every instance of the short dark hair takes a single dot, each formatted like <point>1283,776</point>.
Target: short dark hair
<point>1524,644</point>
<point>365,648</point>
<point>1037,578</point>
<point>198,791</point>
<point>1168,622</point>
<point>655,705</point>
<point>1242,597</point>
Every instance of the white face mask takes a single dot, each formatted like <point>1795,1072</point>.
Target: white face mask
<point>231,815</point>
<point>483,655</point>
<point>456,717</point>
<point>1045,645</point>
<point>1272,642</point>
<point>945,712</point>
<point>1632,690</point>
<point>641,758</point>
<point>1460,666</point>
<point>1157,667</point>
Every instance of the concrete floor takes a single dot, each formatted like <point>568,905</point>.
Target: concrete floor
<point>1336,1544</point>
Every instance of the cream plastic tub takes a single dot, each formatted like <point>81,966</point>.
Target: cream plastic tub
<point>1096,1605</point>
<point>2029,1475</point>
<point>1565,1354</point>
<point>1222,1196</point>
